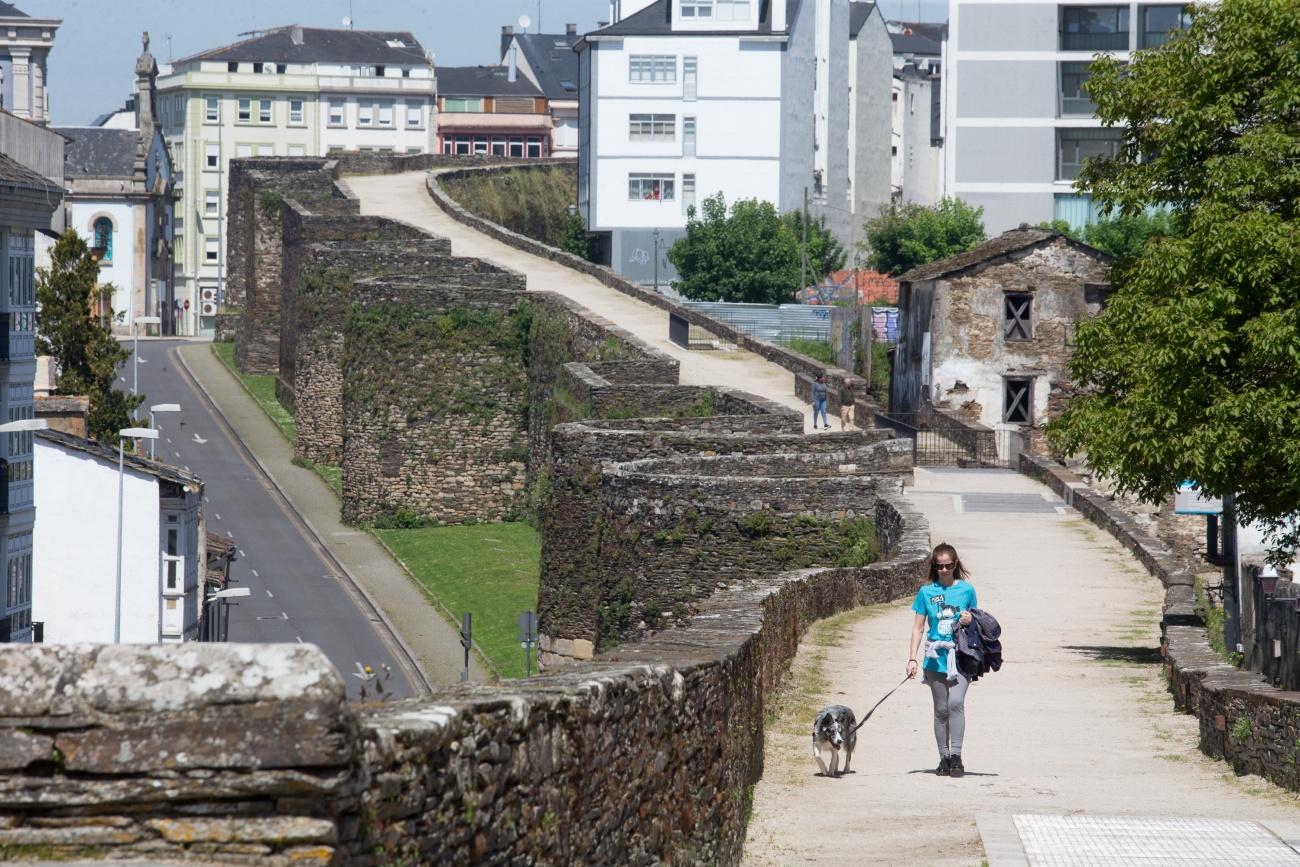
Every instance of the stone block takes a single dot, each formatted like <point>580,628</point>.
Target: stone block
<point>583,649</point>
<point>275,830</point>
<point>18,749</point>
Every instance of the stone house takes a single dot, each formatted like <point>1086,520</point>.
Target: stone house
<point>987,334</point>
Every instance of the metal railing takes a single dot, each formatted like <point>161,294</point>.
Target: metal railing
<point>942,441</point>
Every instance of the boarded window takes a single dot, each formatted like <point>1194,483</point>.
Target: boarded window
<point>1016,323</point>
<point>1018,400</point>
<point>515,105</point>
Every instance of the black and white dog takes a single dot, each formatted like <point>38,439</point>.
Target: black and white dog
<point>834,730</point>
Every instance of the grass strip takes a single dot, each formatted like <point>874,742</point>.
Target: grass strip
<point>489,570</point>
<point>262,390</point>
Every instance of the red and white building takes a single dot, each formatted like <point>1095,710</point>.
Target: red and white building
<point>491,110</point>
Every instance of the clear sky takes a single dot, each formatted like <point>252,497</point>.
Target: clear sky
<point>92,65</point>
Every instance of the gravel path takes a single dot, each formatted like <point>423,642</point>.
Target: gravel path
<point>1077,721</point>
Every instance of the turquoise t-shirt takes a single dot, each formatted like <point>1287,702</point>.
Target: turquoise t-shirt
<point>941,607</point>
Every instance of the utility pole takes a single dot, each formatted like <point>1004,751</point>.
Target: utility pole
<point>803,253</point>
<point>1231,577</point>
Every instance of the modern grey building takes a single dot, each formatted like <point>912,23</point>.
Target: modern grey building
<point>1019,124</point>
<point>869,138</point>
<point>31,190</point>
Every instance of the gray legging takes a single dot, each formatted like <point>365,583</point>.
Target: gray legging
<point>949,711</point>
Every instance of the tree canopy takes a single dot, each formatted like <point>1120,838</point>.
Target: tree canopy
<point>1192,370</point>
<point>747,253</point>
<point>85,354</point>
<point>904,236</point>
<point>825,252</point>
<point>1120,236</point>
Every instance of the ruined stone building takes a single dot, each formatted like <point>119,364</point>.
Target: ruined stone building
<point>988,333</point>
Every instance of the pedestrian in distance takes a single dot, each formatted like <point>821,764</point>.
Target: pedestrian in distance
<point>820,394</point>
<point>940,606</point>
<point>847,401</point>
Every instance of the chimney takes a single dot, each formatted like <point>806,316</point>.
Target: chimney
<point>510,76</point>
<point>571,30</point>
<point>507,30</point>
<point>295,35</point>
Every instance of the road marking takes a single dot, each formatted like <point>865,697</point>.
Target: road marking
<point>957,504</point>
<point>169,442</point>
<point>187,469</point>
<point>284,616</point>
<point>242,554</point>
<point>218,514</point>
<point>269,593</point>
<point>255,573</point>
<point>206,500</point>
<point>230,534</point>
<point>200,440</point>
<point>178,454</point>
<point>300,641</point>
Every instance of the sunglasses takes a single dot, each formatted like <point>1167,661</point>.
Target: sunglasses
<point>944,567</point>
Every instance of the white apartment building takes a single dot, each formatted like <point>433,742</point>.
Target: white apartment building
<point>25,44</point>
<point>1018,123</point>
<point>75,544</point>
<point>682,99</point>
<point>292,91</point>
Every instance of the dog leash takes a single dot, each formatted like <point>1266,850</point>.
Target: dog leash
<point>876,705</point>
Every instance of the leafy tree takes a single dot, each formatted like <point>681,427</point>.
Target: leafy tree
<point>83,350</point>
<point>825,252</point>
<point>746,254</point>
<point>905,236</point>
<point>1120,236</point>
<point>574,237</point>
<point>1192,371</point>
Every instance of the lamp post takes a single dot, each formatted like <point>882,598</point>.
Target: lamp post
<point>122,436</point>
<point>159,407</point>
<point>658,245</point>
<point>135,347</point>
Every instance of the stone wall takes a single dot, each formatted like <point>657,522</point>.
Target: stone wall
<point>435,397</point>
<point>248,754</point>
<point>1243,719</point>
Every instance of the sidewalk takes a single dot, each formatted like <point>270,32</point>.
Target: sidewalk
<point>1078,721</point>
<point>433,642</point>
<point>404,197</point>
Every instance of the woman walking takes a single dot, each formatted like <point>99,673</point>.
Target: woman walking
<point>942,604</point>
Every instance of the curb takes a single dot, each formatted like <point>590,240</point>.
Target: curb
<point>416,675</point>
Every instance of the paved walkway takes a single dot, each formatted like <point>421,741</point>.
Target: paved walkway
<point>404,197</point>
<point>1078,721</point>
<point>432,640</point>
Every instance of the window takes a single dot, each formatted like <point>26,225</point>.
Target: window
<point>103,229</point>
<point>652,68</point>
<point>688,138</point>
<point>1076,145</point>
<point>257,67</point>
<point>297,151</point>
<point>385,112</point>
<point>210,250</point>
<point>414,115</point>
<point>516,147</point>
<point>243,150</point>
<point>1074,99</point>
<point>1159,23</point>
<point>731,10</point>
<point>295,112</point>
<point>264,111</point>
<point>1015,316</point>
<point>652,127</point>
<point>211,202</point>
<point>232,66</point>
<point>245,114</point>
<point>697,8</point>
<point>688,192</point>
<point>459,104</point>
<point>534,148</point>
<point>381,71</point>
<point>1094,28</point>
<point>480,144</point>
<point>266,150</point>
<point>365,114</point>
<point>211,109</point>
<point>282,68</point>
<point>690,77</point>
<point>1017,400</point>
<point>211,156</point>
<point>498,147</point>
<point>336,117</point>
<point>649,187</point>
<point>514,105</point>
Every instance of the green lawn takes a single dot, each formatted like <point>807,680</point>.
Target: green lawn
<point>489,570</point>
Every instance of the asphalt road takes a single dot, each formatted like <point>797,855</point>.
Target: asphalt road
<point>297,594</point>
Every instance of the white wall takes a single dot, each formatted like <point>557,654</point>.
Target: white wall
<point>121,271</point>
<point>738,121</point>
<point>75,549</point>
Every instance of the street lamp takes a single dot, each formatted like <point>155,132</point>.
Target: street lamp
<point>122,436</point>
<point>658,245</point>
<point>135,347</point>
<point>159,407</point>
